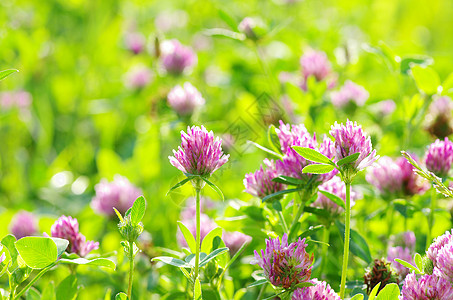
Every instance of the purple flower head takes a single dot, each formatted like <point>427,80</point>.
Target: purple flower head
<point>234,240</point>
<point>439,157</point>
<point>439,119</point>
<point>314,63</point>
<point>176,58</point>
<point>320,291</point>
<point>119,193</point>
<point>260,184</point>
<point>442,105</point>
<point>68,228</point>
<point>412,183</point>
<point>337,187</point>
<point>385,107</point>
<point>207,224</point>
<point>386,176</point>
<point>287,134</point>
<point>285,265</point>
<point>350,139</point>
<point>437,245</point>
<point>135,42</point>
<point>401,253</point>
<point>350,92</point>
<point>138,77</point>
<point>444,262</point>
<point>199,153</point>
<point>427,287</point>
<point>405,239</point>
<point>185,99</point>
<point>23,224</point>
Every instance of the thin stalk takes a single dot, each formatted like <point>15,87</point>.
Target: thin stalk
<point>34,280</point>
<point>325,247</point>
<point>131,269</point>
<point>300,211</point>
<point>346,239</point>
<point>197,245</point>
<point>389,221</point>
<point>429,236</point>
<point>263,288</point>
<point>283,222</point>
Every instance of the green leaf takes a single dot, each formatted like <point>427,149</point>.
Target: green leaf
<point>334,198</point>
<point>389,292</point>
<point>447,85</point>
<point>61,244</point>
<point>222,32</point>
<point>33,294</point>
<point>212,255</point>
<point>318,169</point>
<point>407,62</point>
<point>304,284</point>
<point>358,245</point>
<point>138,210</point>
<point>357,297</point>
<point>206,244</point>
<point>273,153</point>
<point>101,262</point>
<point>348,159</point>
<point>118,214</point>
<point>289,180</point>
<point>48,292</point>
<point>6,73</point>
<point>311,230</point>
<point>374,291</point>
<point>426,79</point>
<point>408,265</point>
<point>121,296</point>
<point>172,261</point>
<point>317,211</point>
<point>258,282</point>
<point>37,252</point>
<point>187,236</point>
<point>197,290</point>
<point>67,289</point>
<point>418,261</point>
<point>273,139</point>
<point>214,187</point>
<point>229,20</point>
<point>179,184</point>
<point>8,241</point>
<point>280,193</point>
<point>312,155</point>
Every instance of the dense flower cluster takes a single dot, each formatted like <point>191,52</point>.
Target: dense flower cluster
<point>185,99</point>
<point>439,157</point>
<point>321,290</point>
<point>285,265</point>
<point>176,58</point>
<point>68,228</point>
<point>199,153</point>
<point>260,184</point>
<point>337,187</point>
<point>23,224</point>
<point>440,252</point>
<point>119,193</point>
<point>427,287</point>
<point>350,92</point>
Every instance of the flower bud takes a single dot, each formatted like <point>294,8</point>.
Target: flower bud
<point>428,265</point>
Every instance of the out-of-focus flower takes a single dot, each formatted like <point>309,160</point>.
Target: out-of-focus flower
<point>253,28</point>
<point>439,119</point>
<point>18,99</point>
<point>350,92</point>
<point>437,245</point>
<point>412,183</point>
<point>234,240</point>
<point>135,42</point>
<point>185,99</point>
<point>285,265</point>
<point>199,153</point>
<point>207,224</point>
<point>384,108</point>
<point>401,253</point>
<point>337,187</point>
<point>427,287</point>
<point>405,239</point>
<point>321,290</point>
<point>439,157</point>
<point>350,139</point>
<point>315,63</point>
<point>228,141</point>
<point>138,77</point>
<point>168,20</point>
<point>119,193</point>
<point>444,262</point>
<point>380,271</point>
<point>68,228</point>
<point>23,224</point>
<point>386,176</point>
<point>176,58</point>
<point>260,184</point>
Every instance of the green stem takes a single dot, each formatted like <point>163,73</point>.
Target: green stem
<point>131,269</point>
<point>389,221</point>
<point>325,247</point>
<point>299,213</point>
<point>429,236</point>
<point>197,245</point>
<point>346,239</point>
<point>283,222</point>
<point>263,288</point>
<point>34,280</point>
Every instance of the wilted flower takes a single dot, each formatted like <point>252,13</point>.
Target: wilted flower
<point>439,119</point>
<point>17,99</point>
<point>260,184</point>
<point>350,92</point>
<point>285,265</point>
<point>380,271</point>
<point>68,228</point>
<point>234,240</point>
<point>439,157</point>
<point>314,63</point>
<point>176,58</point>
<point>23,224</point>
<point>350,139</point>
<point>444,262</point>
<point>427,287</point>
<point>135,42</point>
<point>438,244</point>
<point>199,153</point>
<point>337,187</point>
<point>138,77</point>
<point>119,193</point>
<point>184,100</point>
<point>321,290</point>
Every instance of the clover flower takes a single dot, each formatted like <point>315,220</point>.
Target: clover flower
<point>427,287</point>
<point>401,253</point>
<point>68,228</point>
<point>287,134</point>
<point>412,183</point>
<point>350,139</point>
<point>252,28</point>
<point>314,63</point>
<point>135,42</point>
<point>119,193</point>
<point>199,153</point>
<point>138,77</point>
<point>337,187</point>
<point>185,99</point>
<point>439,119</point>
<point>321,290</point>
<point>285,265</point>
<point>438,244</point>
<point>439,157</point>
<point>23,224</point>
<point>444,262</point>
<point>349,92</point>
<point>234,240</point>
<point>260,184</point>
<point>176,58</point>
<point>386,176</point>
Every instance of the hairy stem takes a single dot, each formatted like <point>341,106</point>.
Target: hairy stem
<point>17,296</point>
<point>131,269</point>
<point>346,239</point>
<point>197,245</point>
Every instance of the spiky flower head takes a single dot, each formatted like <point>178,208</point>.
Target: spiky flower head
<point>285,265</point>
<point>321,290</point>
<point>260,184</point>
<point>380,271</point>
<point>68,228</point>
<point>23,224</point>
<point>176,58</point>
<point>350,92</point>
<point>120,193</point>
<point>438,244</point>
<point>426,287</point>
<point>288,134</point>
<point>439,157</point>
<point>200,153</point>
<point>337,187</point>
<point>444,262</point>
<point>385,175</point>
<point>351,139</point>
<point>185,99</point>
